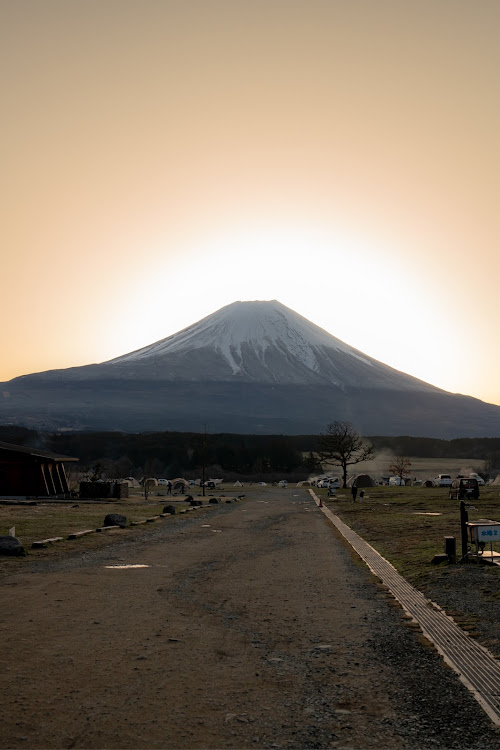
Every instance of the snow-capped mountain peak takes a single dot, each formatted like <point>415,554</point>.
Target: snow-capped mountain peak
<point>259,325</point>
<point>262,341</point>
<point>252,368</point>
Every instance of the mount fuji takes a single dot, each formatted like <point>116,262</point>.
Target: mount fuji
<point>250,367</point>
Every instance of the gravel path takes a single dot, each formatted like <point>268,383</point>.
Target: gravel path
<point>254,626</point>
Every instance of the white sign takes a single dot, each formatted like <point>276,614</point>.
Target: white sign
<point>488,533</point>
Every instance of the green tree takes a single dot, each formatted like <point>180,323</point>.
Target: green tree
<point>342,446</point>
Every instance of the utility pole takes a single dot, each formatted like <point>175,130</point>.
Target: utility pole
<point>203,460</point>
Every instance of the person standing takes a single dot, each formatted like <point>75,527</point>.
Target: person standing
<point>354,492</point>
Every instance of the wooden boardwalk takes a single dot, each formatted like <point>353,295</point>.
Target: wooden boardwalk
<point>475,665</point>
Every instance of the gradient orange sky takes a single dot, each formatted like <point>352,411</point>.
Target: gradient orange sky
<point>164,158</point>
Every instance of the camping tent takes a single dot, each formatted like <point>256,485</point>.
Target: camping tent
<point>179,484</point>
<point>361,480</point>
<point>131,482</point>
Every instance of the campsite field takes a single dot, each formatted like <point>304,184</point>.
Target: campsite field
<point>249,624</point>
<point>421,468</point>
<point>48,520</point>
<point>407,525</point>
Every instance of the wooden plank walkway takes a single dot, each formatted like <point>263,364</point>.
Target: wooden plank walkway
<point>476,666</point>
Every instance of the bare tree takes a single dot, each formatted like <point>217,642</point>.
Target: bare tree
<point>343,446</point>
<point>400,467</point>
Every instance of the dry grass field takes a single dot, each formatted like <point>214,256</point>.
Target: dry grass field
<point>407,525</point>
<point>421,468</point>
<point>60,519</point>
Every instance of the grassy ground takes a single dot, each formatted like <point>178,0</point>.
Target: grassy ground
<point>394,521</point>
<point>48,520</point>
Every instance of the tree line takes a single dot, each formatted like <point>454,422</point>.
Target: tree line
<point>172,454</point>
<point>180,453</point>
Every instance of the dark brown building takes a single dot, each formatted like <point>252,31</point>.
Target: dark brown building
<point>29,472</point>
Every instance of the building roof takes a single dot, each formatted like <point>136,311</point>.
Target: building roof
<point>35,452</point>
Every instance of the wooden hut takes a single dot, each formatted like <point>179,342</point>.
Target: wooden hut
<point>29,472</point>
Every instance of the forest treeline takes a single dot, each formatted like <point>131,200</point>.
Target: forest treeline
<point>171,454</point>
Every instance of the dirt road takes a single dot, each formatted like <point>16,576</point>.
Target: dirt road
<point>252,626</point>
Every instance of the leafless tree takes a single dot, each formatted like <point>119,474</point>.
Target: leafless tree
<point>343,446</point>
<point>400,467</point>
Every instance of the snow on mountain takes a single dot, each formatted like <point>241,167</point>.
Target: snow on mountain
<point>259,325</point>
<point>262,341</point>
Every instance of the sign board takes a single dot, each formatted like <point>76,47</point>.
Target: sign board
<point>487,532</point>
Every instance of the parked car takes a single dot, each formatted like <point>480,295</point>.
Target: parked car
<point>464,488</point>
<point>397,482</point>
<point>329,483</point>
<point>283,483</point>
<point>478,478</point>
<point>443,480</point>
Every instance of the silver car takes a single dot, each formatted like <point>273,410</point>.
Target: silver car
<point>443,480</point>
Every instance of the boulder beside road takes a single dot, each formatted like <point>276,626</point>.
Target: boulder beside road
<point>115,519</point>
<point>10,545</point>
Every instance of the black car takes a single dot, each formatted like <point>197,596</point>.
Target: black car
<point>464,488</point>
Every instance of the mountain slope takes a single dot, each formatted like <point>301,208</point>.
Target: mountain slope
<point>255,342</point>
<point>255,367</point>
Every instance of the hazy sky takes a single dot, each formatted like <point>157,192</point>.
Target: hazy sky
<point>162,158</point>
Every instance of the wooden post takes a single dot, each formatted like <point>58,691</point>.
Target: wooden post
<point>464,517</point>
<point>450,547</point>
